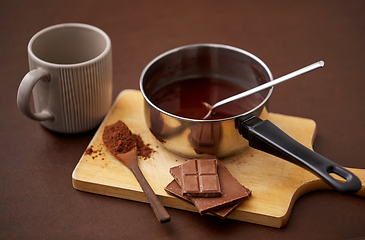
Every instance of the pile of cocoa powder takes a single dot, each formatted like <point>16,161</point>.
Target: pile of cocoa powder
<point>119,139</point>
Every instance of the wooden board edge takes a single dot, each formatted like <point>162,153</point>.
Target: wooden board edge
<point>312,186</point>
<point>129,194</point>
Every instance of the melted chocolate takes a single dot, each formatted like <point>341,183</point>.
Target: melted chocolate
<point>185,98</point>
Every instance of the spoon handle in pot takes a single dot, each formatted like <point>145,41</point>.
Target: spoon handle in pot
<point>265,136</point>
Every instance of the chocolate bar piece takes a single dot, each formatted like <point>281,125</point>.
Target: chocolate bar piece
<point>174,189</point>
<point>200,179</point>
<point>232,191</point>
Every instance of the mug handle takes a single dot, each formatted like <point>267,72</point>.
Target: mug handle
<point>265,136</point>
<point>25,91</point>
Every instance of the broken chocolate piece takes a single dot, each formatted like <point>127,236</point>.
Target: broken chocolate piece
<point>176,174</point>
<point>174,189</point>
<point>200,179</point>
<point>232,191</point>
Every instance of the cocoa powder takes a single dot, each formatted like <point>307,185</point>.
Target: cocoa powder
<point>89,150</point>
<point>119,139</point>
<point>144,150</point>
<point>94,152</point>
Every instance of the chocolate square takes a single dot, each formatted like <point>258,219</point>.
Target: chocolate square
<point>199,178</point>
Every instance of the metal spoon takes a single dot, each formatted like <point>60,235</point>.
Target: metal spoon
<point>263,86</point>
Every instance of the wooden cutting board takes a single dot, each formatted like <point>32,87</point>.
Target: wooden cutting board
<point>275,183</point>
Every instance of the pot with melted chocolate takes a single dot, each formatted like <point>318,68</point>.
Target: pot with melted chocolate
<point>175,84</point>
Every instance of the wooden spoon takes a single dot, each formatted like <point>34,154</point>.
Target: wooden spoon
<point>130,160</point>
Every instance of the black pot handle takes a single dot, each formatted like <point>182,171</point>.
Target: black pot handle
<point>265,136</point>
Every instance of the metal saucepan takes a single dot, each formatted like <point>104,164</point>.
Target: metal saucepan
<point>231,135</point>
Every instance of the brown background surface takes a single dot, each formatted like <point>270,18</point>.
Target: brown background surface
<point>37,200</point>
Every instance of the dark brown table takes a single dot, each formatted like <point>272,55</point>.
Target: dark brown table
<point>37,200</point>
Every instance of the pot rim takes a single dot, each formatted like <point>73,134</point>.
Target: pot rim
<point>204,45</point>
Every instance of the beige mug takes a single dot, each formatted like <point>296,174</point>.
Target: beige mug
<point>70,77</point>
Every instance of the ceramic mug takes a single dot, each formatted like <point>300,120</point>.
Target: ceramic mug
<point>70,77</point>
